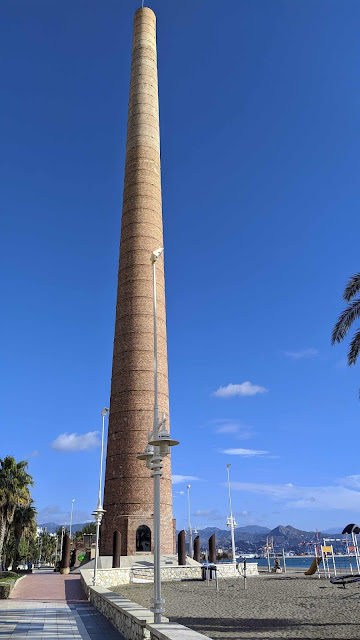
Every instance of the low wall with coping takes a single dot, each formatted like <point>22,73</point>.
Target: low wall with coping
<point>116,577</point>
<point>136,622</point>
<point>127,617</point>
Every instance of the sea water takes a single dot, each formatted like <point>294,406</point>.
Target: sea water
<point>342,563</point>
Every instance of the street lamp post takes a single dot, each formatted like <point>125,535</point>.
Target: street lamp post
<point>99,511</point>
<point>63,529</point>
<point>71,515</point>
<point>159,443</point>
<point>190,529</point>
<point>231,520</point>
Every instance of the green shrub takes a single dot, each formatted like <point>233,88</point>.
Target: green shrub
<point>5,589</point>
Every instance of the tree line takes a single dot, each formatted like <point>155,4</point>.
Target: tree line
<point>19,542</point>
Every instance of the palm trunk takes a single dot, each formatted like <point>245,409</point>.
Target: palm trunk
<point>16,559</point>
<point>2,538</point>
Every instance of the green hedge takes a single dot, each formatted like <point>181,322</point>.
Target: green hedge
<point>8,574</point>
<point>7,581</point>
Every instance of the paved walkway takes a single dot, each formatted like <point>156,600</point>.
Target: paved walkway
<point>47,586</point>
<point>49,606</point>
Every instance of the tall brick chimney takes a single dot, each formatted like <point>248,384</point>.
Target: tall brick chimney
<point>128,493</point>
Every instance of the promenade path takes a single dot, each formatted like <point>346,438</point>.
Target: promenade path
<point>47,605</point>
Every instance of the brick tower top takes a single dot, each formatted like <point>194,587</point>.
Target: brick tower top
<point>128,494</point>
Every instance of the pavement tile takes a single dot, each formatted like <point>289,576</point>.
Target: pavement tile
<point>48,606</point>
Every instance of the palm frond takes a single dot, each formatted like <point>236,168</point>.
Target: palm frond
<point>345,321</point>
<point>354,349</point>
<point>352,287</point>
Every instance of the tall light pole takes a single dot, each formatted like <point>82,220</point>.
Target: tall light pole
<point>99,511</point>
<point>63,529</point>
<point>159,443</point>
<point>71,515</point>
<point>231,520</point>
<point>190,529</point>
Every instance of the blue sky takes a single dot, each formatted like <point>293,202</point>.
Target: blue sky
<point>259,109</point>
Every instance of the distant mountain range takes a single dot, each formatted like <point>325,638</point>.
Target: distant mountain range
<point>53,526</point>
<point>252,538</point>
<point>249,539</point>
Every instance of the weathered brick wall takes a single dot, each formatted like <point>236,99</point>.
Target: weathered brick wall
<point>128,494</point>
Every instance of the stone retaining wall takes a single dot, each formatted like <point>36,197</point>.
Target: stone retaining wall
<point>126,616</point>
<point>136,622</point>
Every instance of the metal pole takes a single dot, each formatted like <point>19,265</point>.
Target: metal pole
<point>324,561</point>
<point>98,520</point>
<point>61,544</point>
<point>158,601</point>
<point>348,553</point>
<point>232,523</point>
<point>101,457</point>
<point>356,549</point>
<point>268,560</point>
<point>245,586</point>
<point>333,559</point>
<point>156,407</point>
<point>99,509</point>
<point>190,529</point>
<point>284,561</point>
<point>72,506</point>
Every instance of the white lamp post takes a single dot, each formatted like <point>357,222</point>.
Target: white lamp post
<point>63,529</point>
<point>231,520</point>
<point>190,529</point>
<point>71,516</point>
<point>99,511</point>
<point>159,443</point>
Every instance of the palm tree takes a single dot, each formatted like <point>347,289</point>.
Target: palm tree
<point>90,527</point>
<point>14,492</point>
<point>24,523</point>
<point>347,317</point>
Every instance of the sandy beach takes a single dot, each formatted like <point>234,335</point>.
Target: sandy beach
<point>290,606</point>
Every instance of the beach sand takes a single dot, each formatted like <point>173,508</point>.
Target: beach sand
<point>288,606</point>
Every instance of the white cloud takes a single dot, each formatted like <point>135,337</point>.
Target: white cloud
<point>302,353</point>
<point>209,515</point>
<point>203,512</point>
<point>243,389</point>
<point>231,427</point>
<point>178,479</point>
<point>33,454</point>
<point>54,513</point>
<point>244,452</point>
<point>350,481</point>
<point>227,425</point>
<point>75,442</point>
<point>176,494</point>
<point>327,497</point>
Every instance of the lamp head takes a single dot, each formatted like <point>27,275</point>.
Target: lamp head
<point>156,254</point>
<point>188,487</point>
<point>162,439</point>
<point>104,412</point>
<point>147,456</point>
<point>228,465</point>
